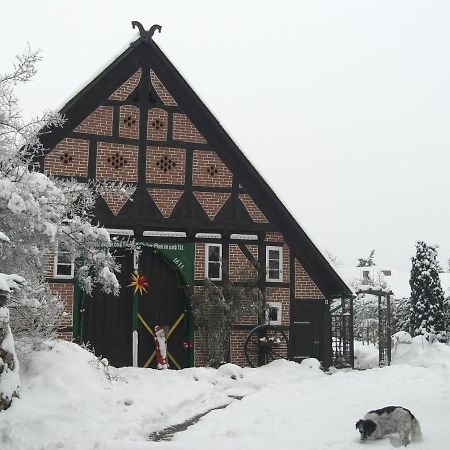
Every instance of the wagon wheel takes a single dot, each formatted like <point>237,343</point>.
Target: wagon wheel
<point>264,344</point>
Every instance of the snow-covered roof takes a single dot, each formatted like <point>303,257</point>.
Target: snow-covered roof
<point>398,281</point>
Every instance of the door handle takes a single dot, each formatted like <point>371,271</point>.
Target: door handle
<point>316,342</point>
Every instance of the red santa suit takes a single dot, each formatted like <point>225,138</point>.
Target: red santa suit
<point>160,348</point>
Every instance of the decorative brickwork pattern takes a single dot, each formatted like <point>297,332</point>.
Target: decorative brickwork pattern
<point>115,201</point>
<point>157,125</point>
<point>129,122</point>
<point>211,202</point>
<point>162,92</point>
<point>199,271</point>
<point>274,236</point>
<point>184,130</point>
<point>253,210</point>
<point>69,157</point>
<point>166,165</point>
<point>282,295</point>
<point>240,268</point>
<point>128,87</point>
<point>65,292</point>
<point>165,199</point>
<point>305,288</point>
<point>117,162</point>
<point>99,122</point>
<point>209,170</point>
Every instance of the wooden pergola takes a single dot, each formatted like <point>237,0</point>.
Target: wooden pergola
<point>384,322</point>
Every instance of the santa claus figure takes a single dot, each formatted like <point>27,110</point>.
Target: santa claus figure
<point>160,348</point>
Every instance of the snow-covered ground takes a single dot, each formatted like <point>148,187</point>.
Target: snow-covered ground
<point>67,402</point>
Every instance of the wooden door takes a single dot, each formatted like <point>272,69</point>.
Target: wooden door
<point>106,320</point>
<point>309,331</point>
<point>163,304</point>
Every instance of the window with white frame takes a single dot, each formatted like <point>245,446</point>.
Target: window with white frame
<point>274,263</point>
<point>274,313</point>
<point>63,266</point>
<point>213,261</point>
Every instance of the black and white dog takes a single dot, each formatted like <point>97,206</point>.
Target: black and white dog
<point>391,419</point>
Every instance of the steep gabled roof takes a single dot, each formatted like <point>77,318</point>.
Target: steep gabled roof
<point>145,53</point>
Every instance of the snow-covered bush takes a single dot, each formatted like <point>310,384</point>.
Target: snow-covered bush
<point>427,296</point>
<point>365,318</point>
<point>38,213</point>
<point>400,314</point>
<point>216,309</point>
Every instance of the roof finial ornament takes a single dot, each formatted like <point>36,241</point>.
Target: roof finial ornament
<point>146,35</point>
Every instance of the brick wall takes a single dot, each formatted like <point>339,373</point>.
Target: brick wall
<point>282,295</point>
<point>162,92</point>
<point>127,88</point>
<point>129,122</point>
<point>199,272</point>
<point>69,157</point>
<point>211,202</point>
<point>165,199</point>
<point>99,122</point>
<point>274,236</point>
<point>166,165</point>
<point>305,288</point>
<point>237,343</point>
<point>115,201</point>
<point>254,212</point>
<point>200,349</point>
<point>49,264</point>
<point>65,292</point>
<point>209,170</point>
<point>109,158</point>
<point>184,130</point>
<point>157,124</point>
<point>240,267</point>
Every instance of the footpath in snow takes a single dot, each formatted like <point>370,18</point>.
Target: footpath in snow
<point>69,401</point>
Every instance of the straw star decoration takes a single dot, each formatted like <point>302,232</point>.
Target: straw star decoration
<point>139,283</point>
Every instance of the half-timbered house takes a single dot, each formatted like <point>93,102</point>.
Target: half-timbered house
<point>197,202</point>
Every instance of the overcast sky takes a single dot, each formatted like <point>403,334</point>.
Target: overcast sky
<point>342,105</point>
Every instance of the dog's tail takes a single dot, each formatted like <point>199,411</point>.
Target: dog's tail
<point>416,432</point>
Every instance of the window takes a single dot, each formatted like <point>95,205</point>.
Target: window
<point>365,277</point>
<point>213,261</point>
<point>274,313</point>
<point>63,266</point>
<point>274,263</point>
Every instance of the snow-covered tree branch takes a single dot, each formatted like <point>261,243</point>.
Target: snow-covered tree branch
<point>38,214</point>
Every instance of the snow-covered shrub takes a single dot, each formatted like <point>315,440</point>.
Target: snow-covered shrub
<point>9,365</point>
<point>400,314</point>
<point>216,309</point>
<point>427,296</point>
<point>37,214</point>
<point>365,317</point>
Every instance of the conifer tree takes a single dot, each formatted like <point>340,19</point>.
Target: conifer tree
<point>427,296</point>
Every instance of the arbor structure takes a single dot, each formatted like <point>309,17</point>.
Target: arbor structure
<point>427,296</point>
